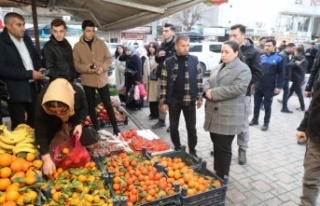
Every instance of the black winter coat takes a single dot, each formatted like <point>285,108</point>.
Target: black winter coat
<point>58,60</point>
<point>12,70</point>
<point>311,121</point>
<point>252,59</point>
<point>314,74</point>
<point>298,71</point>
<point>46,126</point>
<point>169,48</point>
<point>286,61</point>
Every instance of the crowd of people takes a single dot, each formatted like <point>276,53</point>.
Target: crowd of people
<point>174,83</point>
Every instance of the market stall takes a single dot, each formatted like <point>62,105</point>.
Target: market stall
<point>134,168</point>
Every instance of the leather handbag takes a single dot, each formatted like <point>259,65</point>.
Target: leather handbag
<point>153,76</point>
<point>89,136</point>
<point>130,72</point>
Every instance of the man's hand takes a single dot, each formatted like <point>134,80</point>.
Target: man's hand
<point>99,70</point>
<point>208,94</point>
<point>37,75</point>
<point>300,62</point>
<point>277,90</point>
<point>307,94</point>
<point>301,136</point>
<point>161,53</point>
<point>91,69</point>
<point>41,69</point>
<point>199,104</point>
<point>164,108</point>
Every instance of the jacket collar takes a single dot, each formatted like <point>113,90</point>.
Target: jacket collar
<point>6,36</point>
<point>228,68</point>
<point>81,39</point>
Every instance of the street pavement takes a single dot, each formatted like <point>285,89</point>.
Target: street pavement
<point>274,170</point>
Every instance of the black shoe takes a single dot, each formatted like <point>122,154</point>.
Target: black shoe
<point>168,130</point>
<point>253,122</point>
<point>194,155</point>
<point>286,111</point>
<point>158,125</point>
<point>265,127</point>
<point>242,158</point>
<point>300,109</point>
<point>212,153</point>
<point>177,149</point>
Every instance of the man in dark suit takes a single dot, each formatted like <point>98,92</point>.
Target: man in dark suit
<point>311,55</point>
<point>20,66</point>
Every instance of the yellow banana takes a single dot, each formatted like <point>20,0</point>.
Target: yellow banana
<point>11,139</point>
<point>27,140</point>
<point>25,149</point>
<point>23,126</point>
<point>6,146</point>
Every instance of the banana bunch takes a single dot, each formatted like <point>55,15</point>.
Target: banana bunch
<point>19,140</point>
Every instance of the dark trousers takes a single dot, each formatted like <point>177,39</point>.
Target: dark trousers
<point>222,148</point>
<point>105,98</point>
<point>154,109</point>
<point>285,94</point>
<point>267,96</point>
<point>296,87</point>
<point>18,110</point>
<point>189,112</point>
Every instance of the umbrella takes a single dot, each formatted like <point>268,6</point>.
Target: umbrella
<point>45,31</point>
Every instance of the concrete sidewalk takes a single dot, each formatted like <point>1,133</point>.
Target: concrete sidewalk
<point>273,174</point>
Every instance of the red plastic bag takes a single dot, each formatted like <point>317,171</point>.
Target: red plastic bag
<point>77,156</point>
<point>142,90</point>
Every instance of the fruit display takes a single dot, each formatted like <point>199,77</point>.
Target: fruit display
<point>137,179</point>
<point>194,182</point>
<point>20,179</point>
<point>137,142</point>
<point>21,139</point>
<point>79,187</point>
<point>103,114</point>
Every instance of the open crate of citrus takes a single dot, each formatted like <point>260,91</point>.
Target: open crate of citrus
<point>166,158</point>
<point>207,189</point>
<point>135,178</point>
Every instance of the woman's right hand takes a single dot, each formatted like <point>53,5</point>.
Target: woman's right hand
<point>48,165</point>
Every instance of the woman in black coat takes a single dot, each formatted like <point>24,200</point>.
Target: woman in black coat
<point>133,63</point>
<point>60,106</point>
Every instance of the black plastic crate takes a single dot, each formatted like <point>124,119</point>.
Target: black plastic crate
<point>186,158</point>
<point>213,197</point>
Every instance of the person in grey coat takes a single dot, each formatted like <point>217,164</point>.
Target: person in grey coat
<point>225,92</point>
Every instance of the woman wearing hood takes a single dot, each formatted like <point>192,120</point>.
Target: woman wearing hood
<point>133,63</point>
<point>92,60</point>
<point>61,105</point>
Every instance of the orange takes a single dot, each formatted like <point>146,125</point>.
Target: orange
<point>5,172</point>
<point>12,195</point>
<point>32,195</point>
<point>14,186</point>
<point>4,184</point>
<point>81,178</point>
<point>37,163</point>
<point>191,184</point>
<point>5,159</point>
<point>30,157</point>
<point>16,166</point>
<point>30,180</point>
<point>217,184</point>
<point>17,174</point>
<point>190,192</point>
<point>171,173</point>
<point>9,203</point>
<point>65,150</point>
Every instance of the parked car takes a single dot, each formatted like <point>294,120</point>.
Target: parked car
<point>194,36</point>
<point>208,53</point>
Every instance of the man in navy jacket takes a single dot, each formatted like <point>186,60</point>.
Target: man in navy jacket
<point>20,66</point>
<point>270,84</point>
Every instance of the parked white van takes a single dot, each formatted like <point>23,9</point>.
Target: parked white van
<point>208,53</point>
